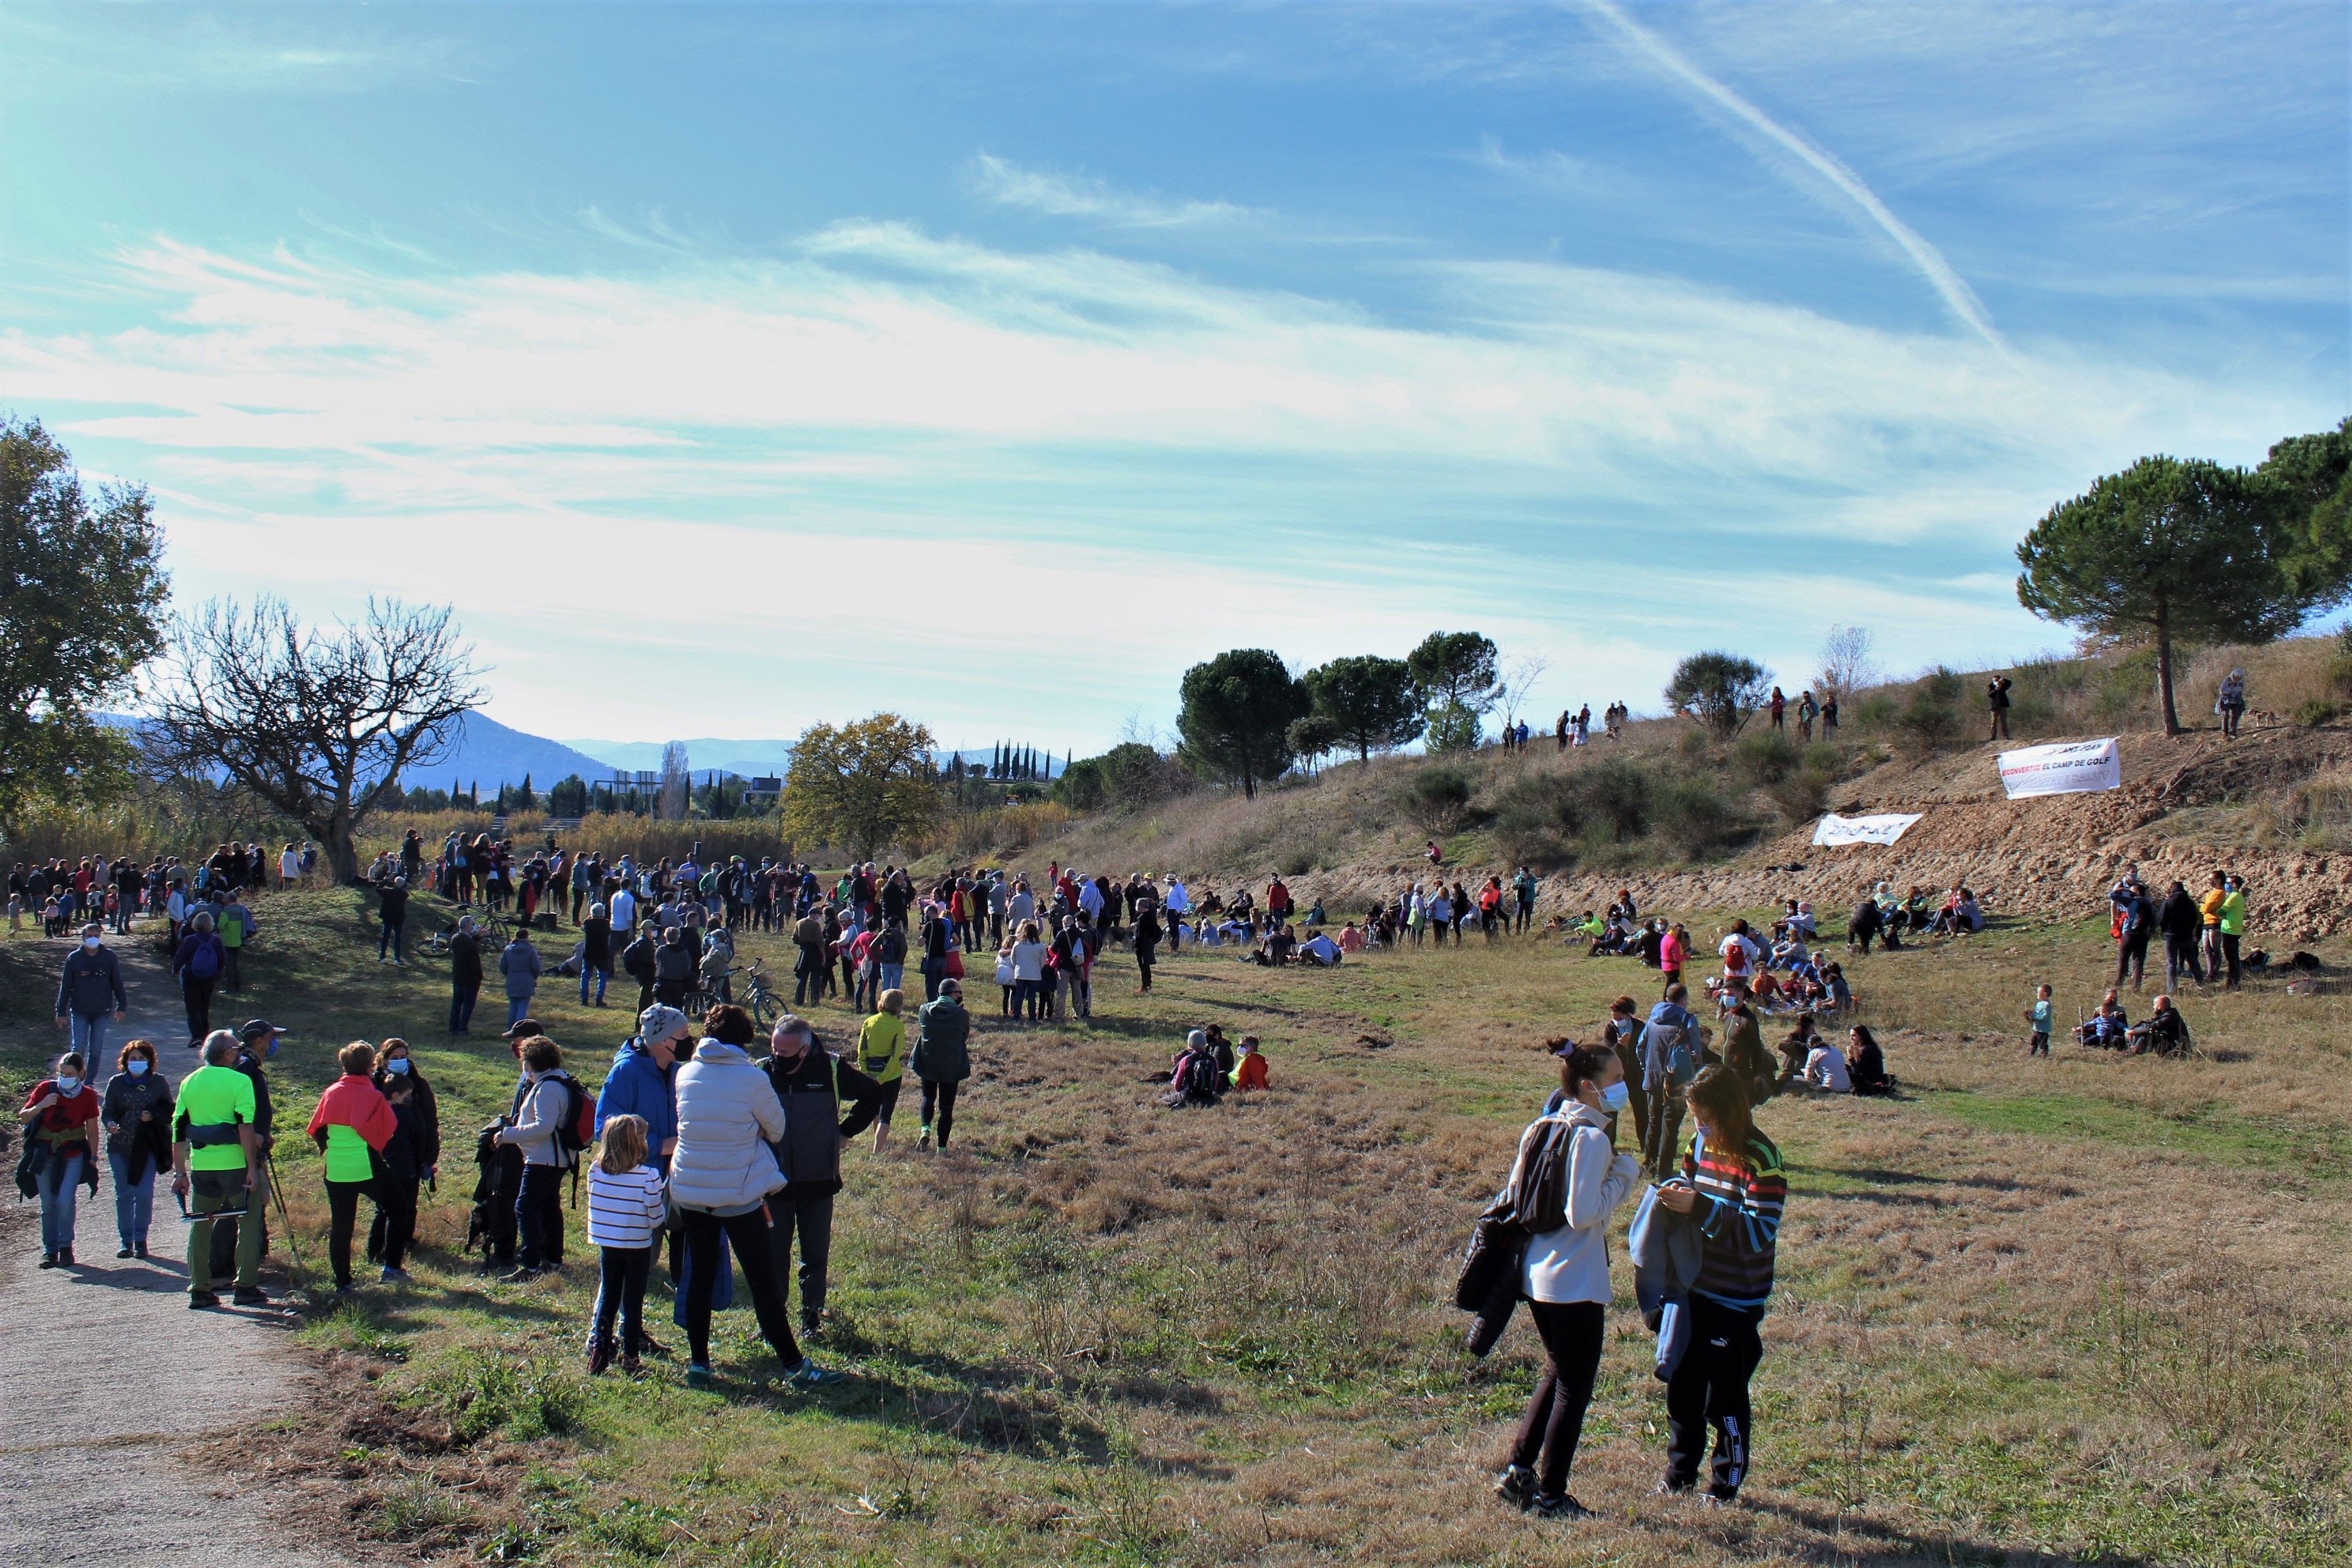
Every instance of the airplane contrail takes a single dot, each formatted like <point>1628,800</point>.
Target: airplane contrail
<point>1958,297</point>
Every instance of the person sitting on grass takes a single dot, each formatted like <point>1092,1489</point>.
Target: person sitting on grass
<point>1196,1079</point>
<point>1319,950</point>
<point>1768,993</point>
<point>1865,1064</point>
<point>1249,1071</point>
<point>2106,1028</point>
<point>2164,1031</point>
<point>1839,994</point>
<point>1351,940</point>
<point>1826,1070</point>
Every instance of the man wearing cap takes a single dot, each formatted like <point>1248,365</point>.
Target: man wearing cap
<point>256,1042</point>
<point>826,1103</point>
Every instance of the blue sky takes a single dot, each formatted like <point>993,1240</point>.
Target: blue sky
<point>732,368</point>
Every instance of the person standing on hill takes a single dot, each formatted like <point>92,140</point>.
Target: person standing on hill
<point>2231,702</point>
<point>90,987</point>
<point>393,910</point>
<point>2233,922</point>
<point>217,1165</point>
<point>521,965</point>
<point>1997,706</point>
<point>465,975</point>
<point>198,961</point>
<point>941,1059</point>
<point>1780,710</point>
<point>1806,712</point>
<point>2135,923</point>
<point>411,1158</point>
<point>1734,1185</point>
<point>826,1103</point>
<point>1147,945</point>
<point>137,1114</point>
<point>2181,923</point>
<point>352,1124</point>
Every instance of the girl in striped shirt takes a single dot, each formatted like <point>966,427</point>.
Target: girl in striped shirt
<point>626,1208</point>
<point>1735,1192</point>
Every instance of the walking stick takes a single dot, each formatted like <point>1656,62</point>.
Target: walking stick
<point>269,1158</point>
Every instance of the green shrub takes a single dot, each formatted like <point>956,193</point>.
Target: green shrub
<point>482,1394</point>
<point>1435,799</point>
<point>1765,758</point>
<point>1931,720</point>
<point>2316,713</point>
<point>1453,729</point>
<point>1537,818</point>
<point>1692,814</point>
<point>1617,795</point>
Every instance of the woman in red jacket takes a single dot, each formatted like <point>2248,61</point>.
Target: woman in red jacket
<point>354,1122</point>
<point>61,1114</point>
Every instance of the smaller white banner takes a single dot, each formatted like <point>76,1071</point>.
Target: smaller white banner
<point>2075,767</point>
<point>1884,829</point>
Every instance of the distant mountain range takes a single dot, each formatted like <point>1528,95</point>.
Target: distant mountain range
<point>488,753</point>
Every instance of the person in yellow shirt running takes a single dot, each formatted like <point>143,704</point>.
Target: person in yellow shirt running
<point>882,1056</point>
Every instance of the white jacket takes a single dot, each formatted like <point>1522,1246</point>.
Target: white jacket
<point>727,1115</point>
<point>1571,1263</point>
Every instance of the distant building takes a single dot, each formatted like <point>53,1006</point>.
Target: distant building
<point>763,790</point>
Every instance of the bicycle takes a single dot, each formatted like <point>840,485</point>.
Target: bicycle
<point>754,996</point>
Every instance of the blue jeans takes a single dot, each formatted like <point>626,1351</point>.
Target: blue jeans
<point>601,975</point>
<point>134,1201</point>
<point>518,1009</point>
<point>59,1180</point>
<point>89,1036</point>
<point>461,1007</point>
<point>892,975</point>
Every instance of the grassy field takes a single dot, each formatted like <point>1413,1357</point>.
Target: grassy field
<point>2073,1310</point>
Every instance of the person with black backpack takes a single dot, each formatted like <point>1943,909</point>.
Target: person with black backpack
<point>1195,1081</point>
<point>545,1125</point>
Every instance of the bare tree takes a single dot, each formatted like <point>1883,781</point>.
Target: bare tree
<point>1849,660</point>
<point>1519,677</point>
<point>318,725</point>
<point>677,784</point>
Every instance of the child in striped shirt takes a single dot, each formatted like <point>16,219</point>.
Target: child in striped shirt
<point>626,1208</point>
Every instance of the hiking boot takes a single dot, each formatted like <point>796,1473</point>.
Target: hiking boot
<point>65,1258</point>
<point>1516,1486</point>
<point>600,1355</point>
<point>809,1374</point>
<point>699,1375</point>
<point>1561,1507</point>
<point>250,1296</point>
<point>200,1299</point>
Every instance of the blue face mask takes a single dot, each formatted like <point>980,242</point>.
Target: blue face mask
<point>396,1064</point>
<point>68,1086</point>
<point>1615,1096</point>
<point>136,1066</point>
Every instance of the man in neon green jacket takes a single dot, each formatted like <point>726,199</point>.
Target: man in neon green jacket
<point>217,1165</point>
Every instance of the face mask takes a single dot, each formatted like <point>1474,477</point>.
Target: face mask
<point>136,1067</point>
<point>90,943</point>
<point>1616,1095</point>
<point>68,1086</point>
<point>397,1064</point>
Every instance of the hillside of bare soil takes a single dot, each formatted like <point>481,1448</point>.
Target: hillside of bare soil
<point>2266,805</point>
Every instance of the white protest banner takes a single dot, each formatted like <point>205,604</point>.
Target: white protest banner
<point>2074,767</point>
<point>1833,830</point>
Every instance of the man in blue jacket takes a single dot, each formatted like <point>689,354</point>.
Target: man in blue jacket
<point>91,988</point>
<point>641,1080</point>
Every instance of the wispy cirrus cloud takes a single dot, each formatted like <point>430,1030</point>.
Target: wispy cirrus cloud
<point>1056,194</point>
<point>1950,287</point>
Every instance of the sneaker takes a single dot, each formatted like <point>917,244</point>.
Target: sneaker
<point>1561,1507</point>
<point>699,1375</point>
<point>808,1372</point>
<point>122,1252</point>
<point>924,1139</point>
<point>1672,1488</point>
<point>1717,1498</point>
<point>1516,1486</point>
<point>200,1299</point>
<point>250,1296</point>
<point>391,1275</point>
<point>600,1355</point>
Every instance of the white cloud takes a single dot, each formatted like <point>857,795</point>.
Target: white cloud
<point>1036,457</point>
<point>1077,195</point>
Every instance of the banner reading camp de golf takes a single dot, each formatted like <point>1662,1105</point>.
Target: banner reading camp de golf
<point>2072,767</point>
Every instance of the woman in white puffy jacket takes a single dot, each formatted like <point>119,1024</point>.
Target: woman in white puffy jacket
<point>1565,1278</point>
<point>720,1177</point>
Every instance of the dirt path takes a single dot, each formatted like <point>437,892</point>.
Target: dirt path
<point>108,1383</point>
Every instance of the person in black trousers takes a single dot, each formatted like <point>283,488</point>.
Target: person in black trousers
<point>465,975</point>
<point>412,1158</point>
<point>1146,944</point>
<point>826,1103</point>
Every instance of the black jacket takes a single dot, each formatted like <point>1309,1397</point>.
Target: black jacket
<point>395,906</point>
<point>466,961</point>
<point>425,1112</point>
<point>263,1116</point>
<point>637,961</point>
<point>92,984</point>
<point>596,943</point>
<point>126,1097</point>
<point>850,1094</point>
<point>675,962</point>
<point>2181,917</point>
